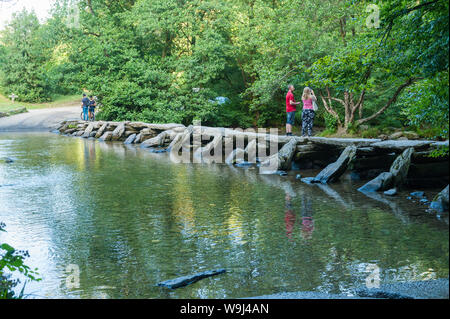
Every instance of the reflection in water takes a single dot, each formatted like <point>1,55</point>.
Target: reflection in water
<point>306,213</point>
<point>289,217</point>
<point>307,218</point>
<point>129,219</point>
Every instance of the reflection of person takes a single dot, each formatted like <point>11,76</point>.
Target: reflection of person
<point>307,218</point>
<point>290,109</point>
<point>289,217</point>
<point>308,111</point>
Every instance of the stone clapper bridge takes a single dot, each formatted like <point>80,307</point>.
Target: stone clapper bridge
<point>386,164</point>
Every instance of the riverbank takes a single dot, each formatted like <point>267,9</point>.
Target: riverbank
<point>39,119</point>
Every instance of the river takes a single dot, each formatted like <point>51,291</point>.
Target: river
<point>125,219</point>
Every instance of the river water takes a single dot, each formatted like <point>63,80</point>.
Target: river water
<point>124,219</point>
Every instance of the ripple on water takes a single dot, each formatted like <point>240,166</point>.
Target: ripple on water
<point>129,219</point>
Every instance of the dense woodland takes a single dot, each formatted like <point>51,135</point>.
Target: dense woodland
<point>168,61</point>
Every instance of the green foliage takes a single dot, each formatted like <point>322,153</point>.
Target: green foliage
<point>22,71</point>
<point>330,121</point>
<point>163,61</point>
<point>12,262</point>
<point>372,132</point>
<point>441,151</point>
<point>426,103</point>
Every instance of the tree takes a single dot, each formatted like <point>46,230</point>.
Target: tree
<point>376,59</point>
<point>22,71</point>
<point>347,77</point>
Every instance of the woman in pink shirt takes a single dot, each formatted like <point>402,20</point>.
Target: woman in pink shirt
<point>308,111</point>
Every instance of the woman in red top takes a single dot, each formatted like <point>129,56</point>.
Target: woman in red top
<point>308,111</point>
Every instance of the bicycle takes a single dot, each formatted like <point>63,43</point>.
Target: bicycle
<point>82,115</point>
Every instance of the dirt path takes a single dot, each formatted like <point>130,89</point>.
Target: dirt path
<point>40,119</point>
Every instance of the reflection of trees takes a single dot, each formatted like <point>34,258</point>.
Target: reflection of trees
<point>135,220</point>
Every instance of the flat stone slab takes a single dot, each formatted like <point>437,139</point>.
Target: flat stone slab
<point>344,142</point>
<point>402,145</point>
<point>187,280</point>
<point>334,170</point>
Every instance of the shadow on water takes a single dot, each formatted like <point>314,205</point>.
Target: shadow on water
<point>128,219</point>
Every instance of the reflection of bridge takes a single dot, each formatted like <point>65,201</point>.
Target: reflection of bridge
<point>393,162</point>
<point>341,193</point>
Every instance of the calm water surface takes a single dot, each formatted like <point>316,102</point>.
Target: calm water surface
<point>129,219</point>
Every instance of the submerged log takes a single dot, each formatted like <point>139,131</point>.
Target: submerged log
<point>187,280</point>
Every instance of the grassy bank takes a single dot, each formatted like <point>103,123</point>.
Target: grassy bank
<point>58,101</point>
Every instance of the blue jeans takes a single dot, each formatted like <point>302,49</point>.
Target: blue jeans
<point>290,117</point>
<point>85,114</point>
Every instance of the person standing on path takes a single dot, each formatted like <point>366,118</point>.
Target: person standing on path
<point>290,109</point>
<point>92,105</point>
<point>85,105</point>
<point>308,111</point>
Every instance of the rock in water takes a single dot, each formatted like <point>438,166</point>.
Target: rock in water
<point>440,203</point>
<point>106,136</point>
<point>88,130</point>
<point>236,156</point>
<point>280,161</point>
<point>381,182</point>
<point>187,280</point>
<point>391,192</point>
<point>396,176</point>
<point>118,132</point>
<point>400,167</point>
<point>286,153</point>
<point>130,139</point>
<point>308,180</point>
<point>417,194</point>
<point>6,160</point>
<point>101,130</point>
<point>334,170</point>
<point>137,139</point>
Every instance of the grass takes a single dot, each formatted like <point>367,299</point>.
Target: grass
<point>58,101</point>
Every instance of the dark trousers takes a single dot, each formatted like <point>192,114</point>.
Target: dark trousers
<point>307,122</point>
